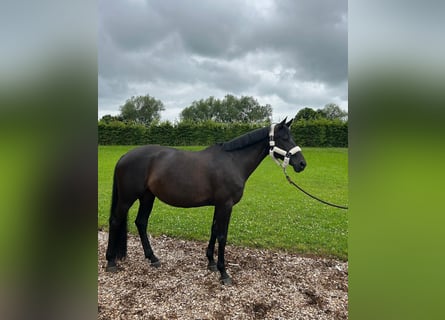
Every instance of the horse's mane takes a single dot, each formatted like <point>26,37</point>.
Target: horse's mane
<point>246,139</point>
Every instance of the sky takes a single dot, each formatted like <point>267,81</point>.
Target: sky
<point>290,54</point>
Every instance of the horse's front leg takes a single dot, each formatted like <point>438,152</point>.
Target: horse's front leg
<point>211,247</point>
<point>222,219</point>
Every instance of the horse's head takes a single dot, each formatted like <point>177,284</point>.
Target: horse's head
<point>284,147</point>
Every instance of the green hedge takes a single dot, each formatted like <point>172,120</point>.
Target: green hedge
<point>318,133</point>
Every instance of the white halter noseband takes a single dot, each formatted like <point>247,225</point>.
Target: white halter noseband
<point>274,148</point>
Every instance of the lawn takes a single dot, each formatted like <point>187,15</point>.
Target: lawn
<point>271,214</point>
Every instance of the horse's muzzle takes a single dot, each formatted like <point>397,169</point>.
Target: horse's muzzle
<point>299,166</point>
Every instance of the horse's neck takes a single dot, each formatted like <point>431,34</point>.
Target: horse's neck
<point>249,158</point>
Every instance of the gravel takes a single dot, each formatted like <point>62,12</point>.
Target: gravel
<point>267,284</point>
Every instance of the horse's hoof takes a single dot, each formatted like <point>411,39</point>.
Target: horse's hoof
<point>111,268</point>
<point>212,267</point>
<point>156,264</point>
<point>226,281</point>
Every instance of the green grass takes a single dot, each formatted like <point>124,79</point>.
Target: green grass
<point>271,214</point>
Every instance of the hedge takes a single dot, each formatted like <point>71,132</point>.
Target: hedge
<point>318,133</point>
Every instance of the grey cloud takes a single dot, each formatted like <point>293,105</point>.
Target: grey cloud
<point>312,37</point>
<point>261,48</point>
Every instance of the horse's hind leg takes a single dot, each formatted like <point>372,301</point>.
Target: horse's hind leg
<point>117,237</point>
<point>145,207</point>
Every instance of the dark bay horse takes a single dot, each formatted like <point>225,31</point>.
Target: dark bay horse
<point>215,176</point>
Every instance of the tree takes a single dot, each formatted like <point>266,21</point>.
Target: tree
<point>108,118</point>
<point>252,111</point>
<point>331,111</point>
<point>199,111</point>
<point>307,114</point>
<point>142,109</point>
<point>230,109</point>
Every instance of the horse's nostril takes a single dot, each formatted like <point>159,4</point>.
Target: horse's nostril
<point>302,164</point>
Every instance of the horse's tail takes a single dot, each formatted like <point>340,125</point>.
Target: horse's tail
<point>114,196</point>
<point>117,239</point>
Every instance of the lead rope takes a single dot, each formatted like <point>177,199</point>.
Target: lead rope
<point>307,193</point>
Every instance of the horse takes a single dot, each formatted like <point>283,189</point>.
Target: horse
<point>215,176</point>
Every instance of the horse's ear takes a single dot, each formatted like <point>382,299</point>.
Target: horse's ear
<point>289,123</point>
<point>283,122</point>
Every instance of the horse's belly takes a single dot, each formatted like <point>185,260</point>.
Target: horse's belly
<point>184,202</point>
<point>183,195</point>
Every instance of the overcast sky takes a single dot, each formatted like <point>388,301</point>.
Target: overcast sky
<point>289,54</point>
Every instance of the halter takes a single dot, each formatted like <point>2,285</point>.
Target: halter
<point>274,148</point>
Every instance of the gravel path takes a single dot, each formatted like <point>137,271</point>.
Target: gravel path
<point>266,284</point>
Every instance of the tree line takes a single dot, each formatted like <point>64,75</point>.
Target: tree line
<point>146,110</point>
<point>211,120</point>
